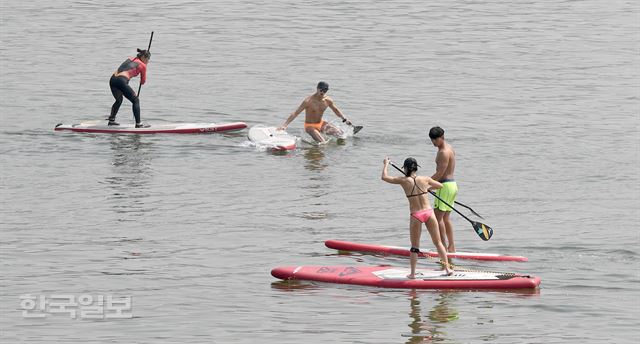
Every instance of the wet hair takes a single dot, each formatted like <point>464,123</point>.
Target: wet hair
<point>144,53</point>
<point>410,165</point>
<point>323,86</point>
<point>436,132</point>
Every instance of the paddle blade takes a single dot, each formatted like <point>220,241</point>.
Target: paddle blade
<point>356,129</point>
<point>485,232</point>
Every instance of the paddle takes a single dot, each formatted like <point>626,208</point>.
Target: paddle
<point>356,128</point>
<point>468,207</point>
<point>458,203</point>
<point>485,232</point>
<point>149,48</point>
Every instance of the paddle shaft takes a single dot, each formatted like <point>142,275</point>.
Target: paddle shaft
<point>149,48</point>
<point>436,196</point>
<point>456,202</point>
<point>468,207</point>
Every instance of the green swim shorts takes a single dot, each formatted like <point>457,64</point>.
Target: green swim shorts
<point>448,193</point>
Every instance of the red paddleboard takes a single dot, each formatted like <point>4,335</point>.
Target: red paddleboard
<point>173,128</point>
<point>403,251</point>
<point>395,277</point>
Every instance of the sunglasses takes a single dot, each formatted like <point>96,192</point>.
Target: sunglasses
<point>323,90</point>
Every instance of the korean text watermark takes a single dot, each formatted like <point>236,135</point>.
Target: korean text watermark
<point>82,306</point>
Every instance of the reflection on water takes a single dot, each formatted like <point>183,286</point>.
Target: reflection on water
<point>317,188</point>
<point>443,311</point>
<point>427,331</point>
<point>314,157</point>
<point>131,173</point>
<point>293,285</point>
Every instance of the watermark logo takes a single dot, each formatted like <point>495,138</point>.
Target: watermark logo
<point>83,306</point>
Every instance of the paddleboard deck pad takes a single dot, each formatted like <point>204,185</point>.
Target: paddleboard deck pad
<point>396,277</point>
<point>168,128</point>
<point>272,138</point>
<point>403,251</point>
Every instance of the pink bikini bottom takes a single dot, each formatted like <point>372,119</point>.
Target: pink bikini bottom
<point>423,215</point>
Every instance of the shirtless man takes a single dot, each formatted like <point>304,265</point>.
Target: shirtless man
<point>314,106</point>
<point>445,166</point>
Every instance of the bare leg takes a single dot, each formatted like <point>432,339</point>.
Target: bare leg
<point>432,227</point>
<point>415,230</point>
<point>441,227</point>
<point>332,130</point>
<point>315,134</point>
<point>449,229</point>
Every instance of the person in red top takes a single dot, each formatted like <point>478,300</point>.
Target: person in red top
<point>119,84</point>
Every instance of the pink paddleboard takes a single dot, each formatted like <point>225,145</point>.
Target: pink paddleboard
<point>395,277</point>
<point>403,251</point>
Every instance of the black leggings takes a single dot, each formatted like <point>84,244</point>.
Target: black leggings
<point>119,87</point>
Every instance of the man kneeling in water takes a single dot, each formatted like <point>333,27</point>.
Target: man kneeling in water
<point>314,107</point>
<point>416,189</point>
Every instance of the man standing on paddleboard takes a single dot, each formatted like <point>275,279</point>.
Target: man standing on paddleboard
<point>314,107</point>
<point>445,166</point>
<point>119,84</point>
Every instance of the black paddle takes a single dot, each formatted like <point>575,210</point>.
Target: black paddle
<point>149,48</point>
<point>356,128</point>
<point>485,232</point>
<point>458,203</point>
<point>468,207</point>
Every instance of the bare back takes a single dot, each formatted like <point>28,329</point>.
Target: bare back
<point>446,162</point>
<point>416,192</point>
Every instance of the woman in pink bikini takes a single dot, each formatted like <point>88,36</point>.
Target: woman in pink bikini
<point>416,189</point>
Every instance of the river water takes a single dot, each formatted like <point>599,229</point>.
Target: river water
<point>540,99</point>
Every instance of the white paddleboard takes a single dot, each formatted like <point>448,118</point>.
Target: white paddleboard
<point>272,138</point>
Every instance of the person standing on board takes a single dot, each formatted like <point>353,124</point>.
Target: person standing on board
<point>314,106</point>
<point>119,84</point>
<point>416,188</point>
<point>445,166</point>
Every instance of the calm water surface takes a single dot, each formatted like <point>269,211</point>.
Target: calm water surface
<point>541,100</point>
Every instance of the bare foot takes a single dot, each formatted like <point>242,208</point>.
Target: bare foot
<point>411,276</point>
<point>451,249</point>
<point>448,271</point>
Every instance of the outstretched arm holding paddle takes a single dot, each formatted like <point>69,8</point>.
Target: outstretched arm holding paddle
<point>334,108</point>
